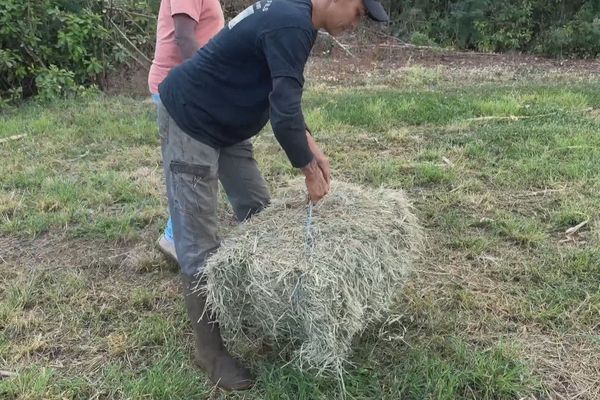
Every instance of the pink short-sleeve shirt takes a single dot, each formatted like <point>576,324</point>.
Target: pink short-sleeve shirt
<point>209,17</point>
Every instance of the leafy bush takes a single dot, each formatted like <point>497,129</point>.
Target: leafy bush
<point>54,82</point>
<point>508,27</point>
<point>558,28</point>
<point>580,36</point>
<point>70,42</point>
<point>420,39</point>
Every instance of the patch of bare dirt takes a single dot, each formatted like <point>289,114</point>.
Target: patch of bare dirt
<point>356,58</point>
<point>51,251</point>
<point>353,58</point>
<point>132,83</point>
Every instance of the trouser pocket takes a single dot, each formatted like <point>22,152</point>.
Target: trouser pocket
<point>195,190</point>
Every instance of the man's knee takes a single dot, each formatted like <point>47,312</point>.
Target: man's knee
<point>192,259</point>
<point>253,207</point>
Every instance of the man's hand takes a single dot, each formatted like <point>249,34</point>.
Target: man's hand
<point>317,172</point>
<point>322,161</point>
<point>315,181</point>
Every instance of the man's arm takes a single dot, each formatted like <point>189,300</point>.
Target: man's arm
<point>286,51</point>
<point>185,27</point>
<point>288,122</point>
<point>290,130</point>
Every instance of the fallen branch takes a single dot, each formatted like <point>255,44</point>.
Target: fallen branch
<point>7,374</point>
<point>517,118</point>
<point>400,45</point>
<point>493,117</point>
<point>133,57</point>
<point>124,36</point>
<point>340,44</point>
<point>574,229</point>
<point>137,14</point>
<point>404,44</point>
<point>543,192</point>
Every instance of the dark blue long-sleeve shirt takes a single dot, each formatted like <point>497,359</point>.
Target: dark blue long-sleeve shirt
<point>252,71</point>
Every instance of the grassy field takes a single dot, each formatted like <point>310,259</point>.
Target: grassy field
<point>504,305</point>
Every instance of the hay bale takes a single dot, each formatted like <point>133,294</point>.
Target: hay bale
<point>315,284</point>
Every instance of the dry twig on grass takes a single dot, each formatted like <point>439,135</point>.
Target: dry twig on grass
<point>7,374</point>
<point>340,44</point>
<point>11,138</point>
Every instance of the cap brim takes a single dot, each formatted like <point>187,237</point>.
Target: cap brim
<point>375,11</point>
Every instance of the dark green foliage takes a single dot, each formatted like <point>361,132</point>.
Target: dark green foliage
<point>558,28</point>
<point>52,46</point>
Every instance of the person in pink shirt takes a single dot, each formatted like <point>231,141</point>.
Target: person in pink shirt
<point>184,26</point>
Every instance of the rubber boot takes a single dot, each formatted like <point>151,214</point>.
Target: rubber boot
<point>210,354</point>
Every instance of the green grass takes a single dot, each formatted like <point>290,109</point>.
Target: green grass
<point>497,172</point>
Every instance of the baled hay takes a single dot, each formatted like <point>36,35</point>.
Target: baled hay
<point>315,278</point>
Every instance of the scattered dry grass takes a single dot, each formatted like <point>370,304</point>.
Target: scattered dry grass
<point>500,307</point>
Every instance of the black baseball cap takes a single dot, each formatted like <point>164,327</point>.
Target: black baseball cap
<point>375,11</point>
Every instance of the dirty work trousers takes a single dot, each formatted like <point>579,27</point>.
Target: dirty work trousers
<point>192,173</point>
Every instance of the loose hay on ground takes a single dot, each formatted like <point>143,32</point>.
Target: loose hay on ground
<point>314,284</point>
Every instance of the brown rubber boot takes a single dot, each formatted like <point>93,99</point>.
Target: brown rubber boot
<point>210,354</point>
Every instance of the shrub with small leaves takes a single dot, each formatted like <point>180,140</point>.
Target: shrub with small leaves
<point>54,82</point>
<point>69,43</point>
<point>557,28</point>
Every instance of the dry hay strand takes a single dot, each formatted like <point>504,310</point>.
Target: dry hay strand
<point>314,277</point>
